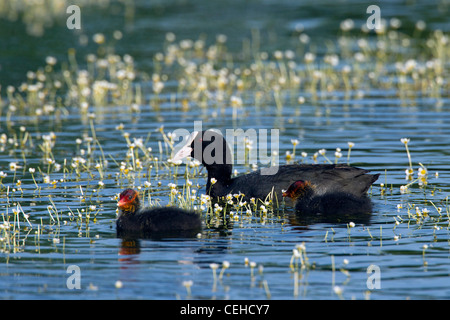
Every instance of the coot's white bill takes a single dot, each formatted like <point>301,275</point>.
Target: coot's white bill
<point>185,150</point>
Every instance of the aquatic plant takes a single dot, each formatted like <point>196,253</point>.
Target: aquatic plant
<point>208,77</point>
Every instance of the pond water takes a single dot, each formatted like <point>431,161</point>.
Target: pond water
<point>62,215</point>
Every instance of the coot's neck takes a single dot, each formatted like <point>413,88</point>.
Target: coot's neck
<point>221,174</point>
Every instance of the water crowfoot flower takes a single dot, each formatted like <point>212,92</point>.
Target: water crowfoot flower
<point>337,155</point>
<point>338,291</point>
<point>322,153</point>
<point>225,265</point>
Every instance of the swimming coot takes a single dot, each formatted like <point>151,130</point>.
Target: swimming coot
<point>211,149</point>
<point>144,222</point>
<point>308,202</point>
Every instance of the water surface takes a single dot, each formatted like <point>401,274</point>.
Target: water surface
<point>410,245</point>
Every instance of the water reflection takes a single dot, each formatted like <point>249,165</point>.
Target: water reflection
<point>307,219</point>
<point>383,97</point>
<point>129,248</point>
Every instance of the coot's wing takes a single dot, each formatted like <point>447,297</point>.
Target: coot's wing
<point>326,178</point>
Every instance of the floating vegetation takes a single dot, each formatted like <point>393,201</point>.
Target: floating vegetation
<point>210,75</point>
<point>53,187</point>
<point>37,16</point>
<point>108,79</point>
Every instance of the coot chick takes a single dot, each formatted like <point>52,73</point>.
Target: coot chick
<point>212,150</point>
<point>308,202</point>
<point>147,222</point>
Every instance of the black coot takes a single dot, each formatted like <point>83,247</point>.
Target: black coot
<point>147,222</point>
<point>308,202</point>
<point>211,149</point>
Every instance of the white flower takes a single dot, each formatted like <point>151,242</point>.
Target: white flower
<point>338,290</point>
<point>347,25</point>
<point>301,247</point>
<point>409,172</point>
<point>421,25</point>
<point>188,283</point>
<point>309,57</point>
<point>422,172</point>
<point>157,87</point>
<point>304,38</point>
<point>213,180</point>
<point>235,101</point>
<point>98,38</point>
<point>213,266</point>
<point>51,60</point>
<point>403,189</point>
<point>13,166</point>
<point>404,140</point>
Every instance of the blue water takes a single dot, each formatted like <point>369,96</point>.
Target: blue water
<point>35,267</point>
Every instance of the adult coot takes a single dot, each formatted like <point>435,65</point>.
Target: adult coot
<point>211,149</point>
<point>147,222</point>
<point>308,202</point>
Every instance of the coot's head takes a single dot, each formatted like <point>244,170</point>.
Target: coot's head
<point>210,148</point>
<point>129,201</point>
<point>298,189</point>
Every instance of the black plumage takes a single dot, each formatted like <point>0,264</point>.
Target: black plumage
<point>146,222</point>
<point>309,202</point>
<point>211,149</point>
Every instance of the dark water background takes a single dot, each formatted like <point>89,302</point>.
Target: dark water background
<point>413,255</point>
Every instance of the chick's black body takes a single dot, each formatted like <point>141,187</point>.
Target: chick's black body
<point>137,222</point>
<point>334,204</point>
<point>308,202</point>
